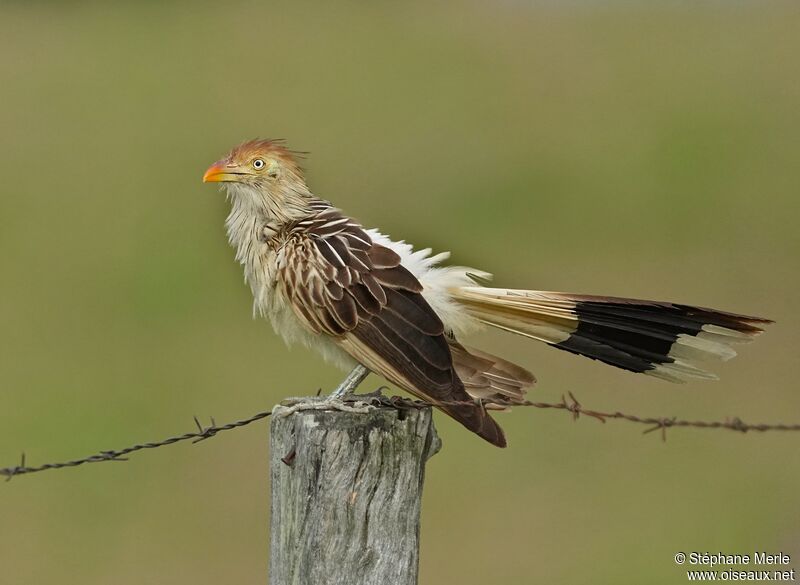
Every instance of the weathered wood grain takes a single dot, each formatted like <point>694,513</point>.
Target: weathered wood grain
<point>346,491</point>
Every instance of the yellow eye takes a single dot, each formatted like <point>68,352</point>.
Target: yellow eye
<point>259,164</point>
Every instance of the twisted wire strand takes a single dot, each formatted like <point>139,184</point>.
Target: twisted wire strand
<point>568,403</point>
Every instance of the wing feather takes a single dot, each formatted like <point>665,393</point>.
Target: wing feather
<point>358,292</point>
<point>413,309</point>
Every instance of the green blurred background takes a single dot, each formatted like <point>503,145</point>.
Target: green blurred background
<point>610,148</point>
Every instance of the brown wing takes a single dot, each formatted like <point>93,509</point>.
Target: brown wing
<point>343,285</point>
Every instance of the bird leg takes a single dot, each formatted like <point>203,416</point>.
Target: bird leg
<point>337,400</point>
<point>350,383</point>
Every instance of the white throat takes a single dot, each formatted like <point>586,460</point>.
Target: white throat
<point>243,224</point>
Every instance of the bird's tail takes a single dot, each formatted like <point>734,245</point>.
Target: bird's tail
<point>666,340</point>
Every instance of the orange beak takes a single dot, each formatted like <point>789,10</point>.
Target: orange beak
<point>219,172</point>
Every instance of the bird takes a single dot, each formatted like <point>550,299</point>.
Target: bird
<point>368,303</point>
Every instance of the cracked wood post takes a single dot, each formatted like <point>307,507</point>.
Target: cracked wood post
<point>346,492</point>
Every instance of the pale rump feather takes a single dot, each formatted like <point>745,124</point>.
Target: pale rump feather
<point>438,282</point>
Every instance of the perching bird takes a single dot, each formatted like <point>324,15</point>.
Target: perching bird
<point>368,303</point>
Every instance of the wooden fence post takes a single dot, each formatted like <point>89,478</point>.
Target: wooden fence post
<point>346,491</point>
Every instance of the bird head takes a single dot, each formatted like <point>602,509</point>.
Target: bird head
<point>262,172</point>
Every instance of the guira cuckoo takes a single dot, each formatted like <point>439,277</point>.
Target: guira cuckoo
<point>369,303</point>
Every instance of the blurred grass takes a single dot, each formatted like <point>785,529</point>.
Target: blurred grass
<point>600,147</point>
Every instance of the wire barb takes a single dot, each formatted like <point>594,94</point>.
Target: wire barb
<point>568,403</point>
<point>201,434</point>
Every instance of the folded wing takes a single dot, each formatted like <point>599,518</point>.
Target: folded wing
<point>342,284</point>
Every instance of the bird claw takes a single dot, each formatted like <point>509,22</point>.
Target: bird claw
<point>376,396</point>
<point>302,404</point>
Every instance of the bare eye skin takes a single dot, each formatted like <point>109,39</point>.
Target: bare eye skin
<point>258,164</point>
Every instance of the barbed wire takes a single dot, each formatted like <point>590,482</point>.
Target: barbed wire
<point>201,434</point>
<point>568,403</point>
<point>576,409</point>
<point>663,423</point>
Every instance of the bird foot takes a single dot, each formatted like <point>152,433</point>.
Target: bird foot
<point>376,396</point>
<point>348,403</point>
